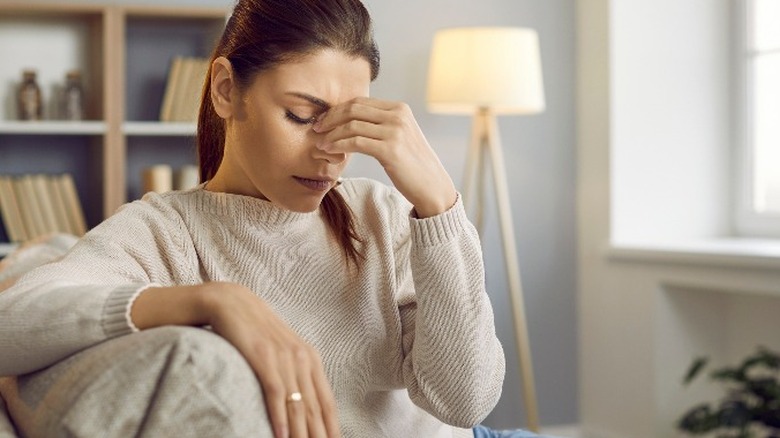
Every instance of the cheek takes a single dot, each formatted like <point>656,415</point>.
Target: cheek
<point>272,140</point>
<point>293,135</point>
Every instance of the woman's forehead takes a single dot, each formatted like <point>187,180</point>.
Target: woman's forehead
<point>330,75</point>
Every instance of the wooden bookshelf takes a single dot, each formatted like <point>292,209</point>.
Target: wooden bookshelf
<point>53,127</point>
<point>125,62</point>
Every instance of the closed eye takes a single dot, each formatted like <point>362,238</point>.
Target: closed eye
<point>300,120</point>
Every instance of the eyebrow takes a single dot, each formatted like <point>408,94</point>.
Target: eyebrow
<point>312,99</point>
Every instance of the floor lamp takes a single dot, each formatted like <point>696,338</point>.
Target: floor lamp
<point>486,71</point>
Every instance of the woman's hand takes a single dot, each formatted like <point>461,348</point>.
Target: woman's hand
<point>388,132</point>
<point>283,362</point>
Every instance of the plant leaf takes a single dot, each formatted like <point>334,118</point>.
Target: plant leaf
<point>697,365</point>
<point>699,420</point>
<point>725,374</point>
<point>767,389</point>
<point>734,414</point>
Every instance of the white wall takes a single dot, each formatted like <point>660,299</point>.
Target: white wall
<point>540,160</point>
<point>653,145</point>
<point>670,113</point>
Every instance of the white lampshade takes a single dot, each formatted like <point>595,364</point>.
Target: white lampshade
<point>498,68</point>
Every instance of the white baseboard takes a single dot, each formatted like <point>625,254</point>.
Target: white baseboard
<point>562,431</point>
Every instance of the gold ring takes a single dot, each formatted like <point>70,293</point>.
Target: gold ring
<point>294,397</point>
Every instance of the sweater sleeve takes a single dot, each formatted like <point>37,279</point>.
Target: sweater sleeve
<point>453,362</point>
<point>66,306</point>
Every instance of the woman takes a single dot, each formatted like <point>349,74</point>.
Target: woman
<point>361,309</point>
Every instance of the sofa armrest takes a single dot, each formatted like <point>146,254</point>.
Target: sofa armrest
<point>169,381</point>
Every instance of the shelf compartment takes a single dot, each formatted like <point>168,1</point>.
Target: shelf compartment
<point>80,156</point>
<point>143,152</point>
<point>152,42</point>
<point>52,40</point>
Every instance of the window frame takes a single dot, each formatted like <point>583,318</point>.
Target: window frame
<point>748,222</point>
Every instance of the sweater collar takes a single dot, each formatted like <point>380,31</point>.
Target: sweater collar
<point>247,208</point>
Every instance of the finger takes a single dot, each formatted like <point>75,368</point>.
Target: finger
<point>314,421</point>
<point>352,110</point>
<point>296,412</point>
<point>363,145</point>
<point>275,392</point>
<point>327,401</point>
<point>356,128</point>
<point>378,103</point>
<point>274,369</point>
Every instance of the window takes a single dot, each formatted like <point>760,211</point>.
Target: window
<point>759,79</point>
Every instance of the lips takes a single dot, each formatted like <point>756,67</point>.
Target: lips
<point>319,185</point>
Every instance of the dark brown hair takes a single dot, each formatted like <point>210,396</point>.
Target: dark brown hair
<point>261,34</point>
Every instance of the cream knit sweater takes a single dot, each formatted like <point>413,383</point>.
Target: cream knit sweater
<point>408,343</point>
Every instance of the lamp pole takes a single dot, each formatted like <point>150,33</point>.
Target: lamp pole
<point>485,139</point>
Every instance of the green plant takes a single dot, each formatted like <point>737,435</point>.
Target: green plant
<point>751,406</point>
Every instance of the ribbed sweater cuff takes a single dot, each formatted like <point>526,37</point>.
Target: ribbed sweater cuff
<point>116,312</point>
<point>441,228</point>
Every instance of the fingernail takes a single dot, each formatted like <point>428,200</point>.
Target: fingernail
<point>317,125</point>
<point>323,146</point>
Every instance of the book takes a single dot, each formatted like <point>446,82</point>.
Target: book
<point>195,76</point>
<point>58,205</point>
<point>59,189</point>
<point>27,198</point>
<point>24,210</point>
<point>5,212</point>
<point>173,81</point>
<point>73,205</point>
<point>9,207</point>
<point>45,203</point>
<point>183,89</point>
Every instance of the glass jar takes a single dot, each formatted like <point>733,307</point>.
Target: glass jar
<point>30,101</point>
<point>73,97</point>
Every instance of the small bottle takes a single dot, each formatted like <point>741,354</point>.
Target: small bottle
<point>73,97</point>
<point>30,102</point>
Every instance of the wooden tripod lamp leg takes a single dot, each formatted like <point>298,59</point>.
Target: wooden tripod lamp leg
<point>513,270</point>
<point>474,175</point>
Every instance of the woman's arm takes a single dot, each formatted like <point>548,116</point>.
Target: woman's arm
<point>453,361</point>
<point>83,299</point>
<point>283,362</point>
<point>454,364</point>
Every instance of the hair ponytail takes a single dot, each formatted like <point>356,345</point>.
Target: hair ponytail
<point>342,224</point>
<point>211,134</point>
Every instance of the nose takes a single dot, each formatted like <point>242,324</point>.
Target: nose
<point>330,157</point>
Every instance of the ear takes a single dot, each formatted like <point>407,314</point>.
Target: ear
<point>223,88</point>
